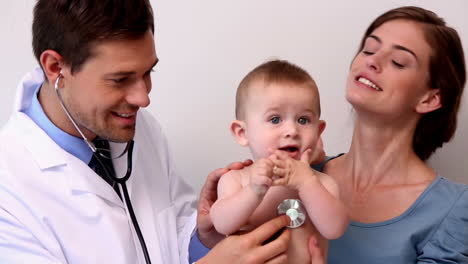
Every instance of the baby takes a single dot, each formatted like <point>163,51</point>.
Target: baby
<point>278,111</point>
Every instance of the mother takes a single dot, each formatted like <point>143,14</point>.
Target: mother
<point>405,85</point>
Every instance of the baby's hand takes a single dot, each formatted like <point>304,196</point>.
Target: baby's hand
<point>291,172</point>
<point>261,174</point>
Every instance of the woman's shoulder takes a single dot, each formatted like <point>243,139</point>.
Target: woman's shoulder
<point>321,165</point>
<point>459,194</point>
<point>441,199</point>
<point>448,191</point>
<point>451,237</point>
<point>451,198</point>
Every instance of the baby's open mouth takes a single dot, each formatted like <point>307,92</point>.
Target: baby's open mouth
<point>289,149</point>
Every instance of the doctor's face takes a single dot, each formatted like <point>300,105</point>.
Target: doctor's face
<point>105,95</point>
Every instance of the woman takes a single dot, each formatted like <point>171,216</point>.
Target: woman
<point>405,86</point>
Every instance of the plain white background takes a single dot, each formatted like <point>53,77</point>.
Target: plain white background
<point>207,46</point>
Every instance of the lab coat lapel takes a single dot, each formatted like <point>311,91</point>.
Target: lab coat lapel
<point>45,152</point>
<point>140,198</point>
<point>85,180</point>
<point>48,155</point>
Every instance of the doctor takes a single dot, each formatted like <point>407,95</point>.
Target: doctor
<point>59,200</point>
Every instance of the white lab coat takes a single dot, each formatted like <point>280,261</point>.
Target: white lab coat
<point>55,209</point>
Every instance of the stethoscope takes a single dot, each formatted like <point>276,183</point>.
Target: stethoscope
<point>98,154</point>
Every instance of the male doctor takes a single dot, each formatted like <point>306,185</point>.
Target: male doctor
<point>59,200</point>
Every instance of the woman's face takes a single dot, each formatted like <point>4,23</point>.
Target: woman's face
<point>390,75</point>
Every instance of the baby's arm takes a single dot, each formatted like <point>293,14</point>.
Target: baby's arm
<point>318,191</point>
<point>236,203</point>
<point>320,195</point>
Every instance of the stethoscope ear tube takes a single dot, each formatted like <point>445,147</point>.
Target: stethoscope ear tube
<point>72,120</point>
<point>65,109</point>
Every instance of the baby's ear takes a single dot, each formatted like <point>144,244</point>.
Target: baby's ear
<point>238,131</point>
<point>321,127</point>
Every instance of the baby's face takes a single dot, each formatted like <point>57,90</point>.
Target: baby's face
<point>281,116</point>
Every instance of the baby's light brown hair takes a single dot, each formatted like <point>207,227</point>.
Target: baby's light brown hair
<point>278,72</point>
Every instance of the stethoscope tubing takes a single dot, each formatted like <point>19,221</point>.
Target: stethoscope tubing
<point>122,181</point>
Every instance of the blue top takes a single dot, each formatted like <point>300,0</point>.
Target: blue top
<point>433,230</point>
<point>73,145</point>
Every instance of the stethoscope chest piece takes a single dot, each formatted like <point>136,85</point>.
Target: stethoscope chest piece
<point>295,210</point>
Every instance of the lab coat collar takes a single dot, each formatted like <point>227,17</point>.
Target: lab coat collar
<point>25,90</point>
<point>45,152</point>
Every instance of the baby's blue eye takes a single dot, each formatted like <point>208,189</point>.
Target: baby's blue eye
<point>303,120</point>
<point>275,120</point>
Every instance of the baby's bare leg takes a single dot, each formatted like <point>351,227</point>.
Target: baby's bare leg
<point>298,251</point>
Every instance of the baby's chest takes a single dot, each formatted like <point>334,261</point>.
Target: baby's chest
<point>268,207</point>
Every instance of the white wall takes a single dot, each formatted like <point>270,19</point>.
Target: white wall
<point>207,46</point>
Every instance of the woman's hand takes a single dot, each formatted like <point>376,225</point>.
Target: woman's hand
<point>248,248</point>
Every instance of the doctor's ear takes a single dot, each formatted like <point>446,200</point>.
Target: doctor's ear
<point>52,64</point>
<point>238,131</point>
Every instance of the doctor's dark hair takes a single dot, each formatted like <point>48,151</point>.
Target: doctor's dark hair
<point>73,27</point>
<point>277,72</point>
<point>446,73</point>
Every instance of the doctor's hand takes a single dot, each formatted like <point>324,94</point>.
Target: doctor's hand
<point>208,195</point>
<point>250,248</point>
